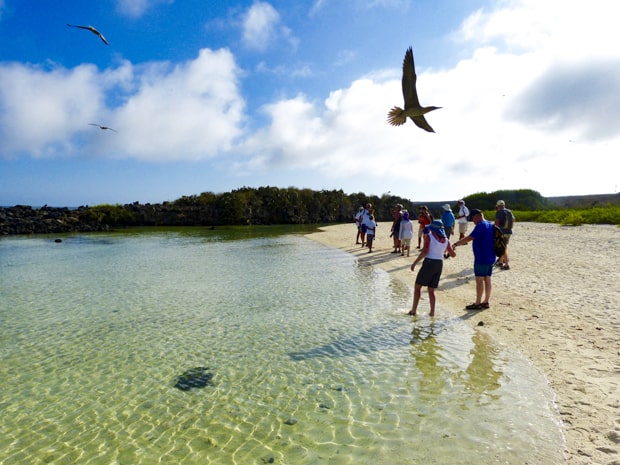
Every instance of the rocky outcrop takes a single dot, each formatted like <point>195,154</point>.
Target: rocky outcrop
<point>23,219</point>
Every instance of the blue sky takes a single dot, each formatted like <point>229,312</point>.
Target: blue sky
<point>214,96</point>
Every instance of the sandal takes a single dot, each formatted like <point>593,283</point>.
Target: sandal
<point>474,307</point>
<point>485,305</point>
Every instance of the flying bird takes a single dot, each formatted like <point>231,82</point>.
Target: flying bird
<point>397,116</point>
<point>102,127</point>
<point>93,30</point>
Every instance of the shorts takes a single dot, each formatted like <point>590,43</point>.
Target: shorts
<point>507,238</point>
<point>449,230</point>
<point>483,270</point>
<point>430,273</point>
<point>405,242</point>
<point>364,228</point>
<point>369,239</point>
<point>462,228</point>
<point>395,234</point>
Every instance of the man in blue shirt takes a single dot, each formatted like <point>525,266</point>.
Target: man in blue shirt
<point>484,257</point>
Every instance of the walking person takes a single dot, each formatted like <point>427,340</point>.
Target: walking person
<point>406,233</point>
<point>461,217</point>
<point>504,220</point>
<point>435,245</point>
<point>484,257</point>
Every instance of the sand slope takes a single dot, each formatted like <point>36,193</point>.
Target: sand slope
<point>559,305</point>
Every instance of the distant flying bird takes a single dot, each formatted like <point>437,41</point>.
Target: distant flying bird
<point>397,116</point>
<point>102,127</point>
<point>93,30</point>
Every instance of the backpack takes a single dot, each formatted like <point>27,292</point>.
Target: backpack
<point>499,245</point>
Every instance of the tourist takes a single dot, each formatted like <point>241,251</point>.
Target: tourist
<point>435,245</point>
<point>504,220</point>
<point>462,218</point>
<point>395,231</point>
<point>484,257</point>
<point>406,232</point>
<point>371,228</point>
<point>424,219</point>
<point>358,223</point>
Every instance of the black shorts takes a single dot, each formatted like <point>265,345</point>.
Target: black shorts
<point>430,273</point>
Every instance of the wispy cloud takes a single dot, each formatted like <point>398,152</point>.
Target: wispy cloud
<point>137,8</point>
<point>261,25</point>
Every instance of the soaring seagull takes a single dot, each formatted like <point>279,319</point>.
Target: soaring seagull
<point>93,30</point>
<point>102,127</point>
<point>397,116</point>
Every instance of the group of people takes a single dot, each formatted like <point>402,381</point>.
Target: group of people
<point>436,247</point>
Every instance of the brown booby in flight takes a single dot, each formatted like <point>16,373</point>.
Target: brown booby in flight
<point>397,116</point>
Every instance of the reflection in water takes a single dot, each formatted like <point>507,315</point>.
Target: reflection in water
<point>426,353</point>
<point>481,377</point>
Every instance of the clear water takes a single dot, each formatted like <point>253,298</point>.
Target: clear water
<point>313,360</point>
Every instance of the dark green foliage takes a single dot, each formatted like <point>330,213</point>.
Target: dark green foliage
<point>522,199</point>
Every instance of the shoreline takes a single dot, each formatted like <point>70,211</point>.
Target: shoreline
<point>559,306</point>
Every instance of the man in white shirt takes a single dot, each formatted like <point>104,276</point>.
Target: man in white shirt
<point>461,218</point>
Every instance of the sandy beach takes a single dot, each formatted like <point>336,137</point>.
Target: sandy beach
<point>559,305</point>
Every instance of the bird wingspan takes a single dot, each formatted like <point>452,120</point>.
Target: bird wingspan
<point>421,122</point>
<point>409,81</point>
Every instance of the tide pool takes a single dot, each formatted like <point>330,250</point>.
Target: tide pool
<point>312,357</point>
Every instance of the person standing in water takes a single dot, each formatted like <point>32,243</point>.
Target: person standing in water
<point>435,245</point>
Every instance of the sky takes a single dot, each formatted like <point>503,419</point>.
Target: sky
<point>214,96</point>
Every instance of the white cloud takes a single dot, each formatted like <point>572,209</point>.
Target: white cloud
<point>261,25</point>
<point>137,8</point>
<point>188,111</point>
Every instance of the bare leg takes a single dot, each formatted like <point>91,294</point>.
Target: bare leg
<point>431,300</point>
<point>480,286</point>
<point>487,289</point>
<point>417,291</point>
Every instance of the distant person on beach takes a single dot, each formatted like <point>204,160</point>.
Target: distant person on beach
<point>484,257</point>
<point>504,220</point>
<point>461,217</point>
<point>370,232</point>
<point>406,233</point>
<point>448,219</point>
<point>358,223</point>
<point>395,231</point>
<point>435,245</point>
<point>424,219</point>
<point>365,218</point>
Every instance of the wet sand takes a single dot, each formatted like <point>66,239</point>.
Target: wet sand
<point>559,305</point>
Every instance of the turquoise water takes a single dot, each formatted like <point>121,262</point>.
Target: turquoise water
<point>313,360</point>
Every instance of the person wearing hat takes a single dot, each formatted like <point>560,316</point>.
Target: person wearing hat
<point>462,218</point>
<point>504,220</point>
<point>436,244</point>
<point>448,219</point>
<point>484,257</point>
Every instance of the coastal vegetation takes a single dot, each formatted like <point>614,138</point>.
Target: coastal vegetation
<point>286,206</point>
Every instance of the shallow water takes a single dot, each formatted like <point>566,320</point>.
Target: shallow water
<point>313,360</point>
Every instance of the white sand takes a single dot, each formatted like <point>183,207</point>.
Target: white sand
<point>559,305</point>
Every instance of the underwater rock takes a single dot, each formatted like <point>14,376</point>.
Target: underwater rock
<point>198,377</point>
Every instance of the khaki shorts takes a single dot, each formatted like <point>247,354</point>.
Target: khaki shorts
<point>462,228</point>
